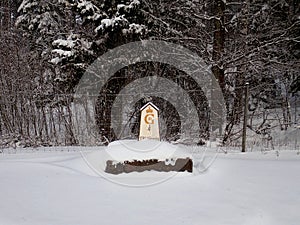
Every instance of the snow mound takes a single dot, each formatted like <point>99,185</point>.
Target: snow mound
<point>130,150</point>
<point>145,149</point>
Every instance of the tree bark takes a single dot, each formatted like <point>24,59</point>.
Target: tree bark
<point>218,42</point>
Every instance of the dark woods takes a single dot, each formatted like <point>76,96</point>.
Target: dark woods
<point>46,46</point>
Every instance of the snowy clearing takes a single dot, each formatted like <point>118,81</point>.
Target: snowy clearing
<point>41,187</point>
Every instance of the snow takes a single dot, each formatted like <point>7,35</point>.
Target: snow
<point>86,6</point>
<point>46,186</point>
<point>134,3</point>
<point>120,6</point>
<point>25,5</point>
<point>130,150</point>
<point>56,60</point>
<point>64,43</point>
<point>113,22</point>
<point>63,52</point>
<point>265,7</point>
<point>95,16</point>
<point>106,22</point>
<point>135,28</point>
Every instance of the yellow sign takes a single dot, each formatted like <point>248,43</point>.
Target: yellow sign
<point>149,118</point>
<point>149,128</point>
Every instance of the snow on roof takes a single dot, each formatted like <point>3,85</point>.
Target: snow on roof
<point>149,103</point>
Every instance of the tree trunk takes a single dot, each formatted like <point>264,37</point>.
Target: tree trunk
<point>218,42</point>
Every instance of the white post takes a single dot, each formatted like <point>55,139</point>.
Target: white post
<point>149,127</point>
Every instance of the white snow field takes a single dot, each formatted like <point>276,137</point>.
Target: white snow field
<point>61,186</point>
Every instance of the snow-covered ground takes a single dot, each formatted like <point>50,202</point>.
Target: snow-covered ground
<point>57,186</point>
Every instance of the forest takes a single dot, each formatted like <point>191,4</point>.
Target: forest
<point>251,46</point>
